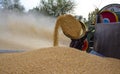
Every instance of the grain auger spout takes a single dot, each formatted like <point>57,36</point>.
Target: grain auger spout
<point>71,28</point>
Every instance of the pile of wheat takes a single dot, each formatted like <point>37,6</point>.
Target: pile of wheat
<point>57,60</point>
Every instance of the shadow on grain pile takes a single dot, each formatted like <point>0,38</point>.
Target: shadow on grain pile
<point>57,60</point>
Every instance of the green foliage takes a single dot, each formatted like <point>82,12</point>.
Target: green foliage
<point>16,6</point>
<point>4,4</point>
<point>11,5</point>
<point>57,7</point>
<point>92,16</point>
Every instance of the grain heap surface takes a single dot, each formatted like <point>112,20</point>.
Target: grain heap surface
<point>57,60</point>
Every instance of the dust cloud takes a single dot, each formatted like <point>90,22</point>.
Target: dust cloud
<point>27,31</point>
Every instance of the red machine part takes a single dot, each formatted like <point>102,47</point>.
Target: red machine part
<point>108,16</point>
<point>85,46</point>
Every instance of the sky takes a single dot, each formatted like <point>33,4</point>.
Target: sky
<point>83,7</point>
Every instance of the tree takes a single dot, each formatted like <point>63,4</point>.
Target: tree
<point>11,5</point>
<point>16,6</point>
<point>4,4</point>
<point>92,16</point>
<point>57,7</point>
